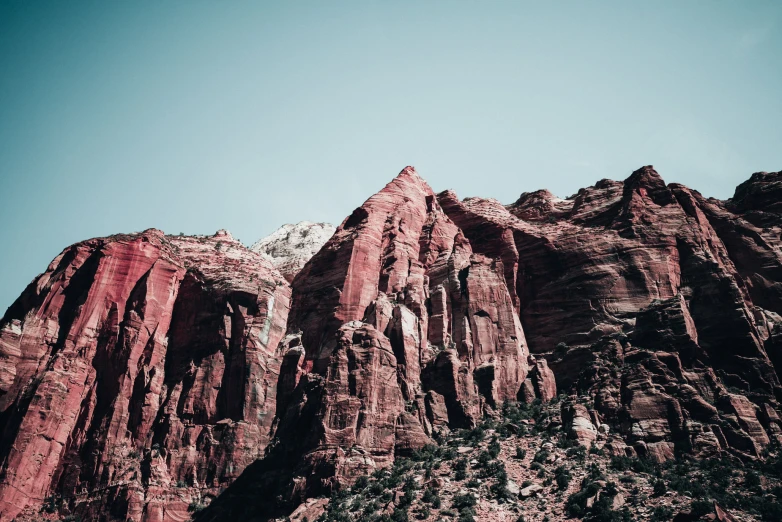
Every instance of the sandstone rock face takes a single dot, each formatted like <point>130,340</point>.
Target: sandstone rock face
<point>659,303</point>
<point>400,264</point>
<point>141,374</point>
<point>291,246</point>
<point>405,331</point>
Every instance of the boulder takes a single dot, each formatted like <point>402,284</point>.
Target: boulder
<point>531,490</point>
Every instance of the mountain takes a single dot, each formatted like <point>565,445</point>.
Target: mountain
<point>291,246</point>
<point>635,325</point>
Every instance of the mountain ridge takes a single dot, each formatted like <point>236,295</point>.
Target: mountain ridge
<point>151,370</point>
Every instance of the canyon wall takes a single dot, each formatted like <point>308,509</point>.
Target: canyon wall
<point>141,375</point>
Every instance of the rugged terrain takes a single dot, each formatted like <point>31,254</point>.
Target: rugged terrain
<point>523,467</point>
<point>291,246</point>
<point>633,331</point>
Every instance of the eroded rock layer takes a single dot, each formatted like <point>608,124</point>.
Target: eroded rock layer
<point>142,374</point>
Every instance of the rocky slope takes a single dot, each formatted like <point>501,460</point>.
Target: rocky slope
<point>142,374</point>
<point>522,467</point>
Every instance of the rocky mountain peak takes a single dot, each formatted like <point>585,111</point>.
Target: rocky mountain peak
<point>224,234</point>
<point>762,192</point>
<point>548,358</point>
<point>409,171</point>
<point>407,184</point>
<point>649,185</point>
<point>540,205</point>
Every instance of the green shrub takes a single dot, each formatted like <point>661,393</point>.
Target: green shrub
<point>494,468</point>
<point>466,515</point>
<point>600,511</point>
<point>50,504</point>
<point>516,412</point>
<point>392,481</point>
<point>429,496</point>
<point>427,453</point>
<point>620,463</point>
<point>475,435</point>
<point>449,454</point>
<point>575,505</point>
<point>371,507</point>
<point>771,511</point>
<point>360,484</point>
<point>594,473</point>
<point>632,463</point>
<point>462,501</point>
<point>399,515</point>
<point>752,481</point>
<point>577,453</point>
<point>566,443</point>
<point>376,489</point>
<point>195,507</point>
<point>483,459</point>
<point>494,448</point>
<point>699,508</point>
<point>662,514</point>
<point>562,477</point>
<point>541,456</point>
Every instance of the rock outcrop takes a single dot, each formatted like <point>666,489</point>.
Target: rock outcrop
<point>404,331</point>
<point>400,264</point>
<point>139,375</point>
<point>142,374</point>
<point>291,246</point>
<point>659,303</point>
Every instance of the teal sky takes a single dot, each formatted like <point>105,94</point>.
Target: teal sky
<point>193,116</point>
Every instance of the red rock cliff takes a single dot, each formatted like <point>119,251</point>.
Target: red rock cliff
<point>143,373</point>
<point>655,285</point>
<point>139,375</point>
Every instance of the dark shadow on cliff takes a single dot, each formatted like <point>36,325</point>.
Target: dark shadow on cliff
<point>267,489</point>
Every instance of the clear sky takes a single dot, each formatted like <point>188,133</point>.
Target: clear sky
<point>193,116</point>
